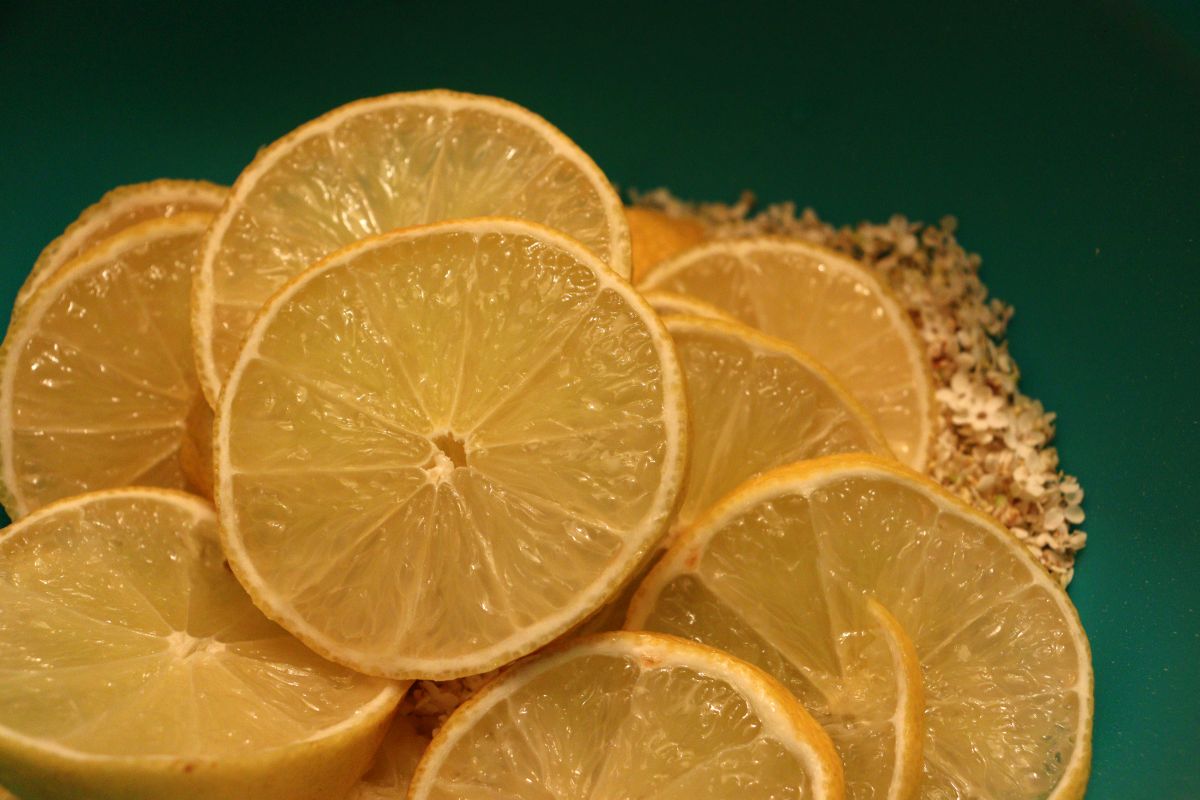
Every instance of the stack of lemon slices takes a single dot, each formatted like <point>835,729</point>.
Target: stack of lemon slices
<point>391,409</point>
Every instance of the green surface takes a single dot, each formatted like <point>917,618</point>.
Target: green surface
<point>1065,138</point>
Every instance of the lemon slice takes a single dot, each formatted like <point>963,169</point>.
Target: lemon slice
<point>135,666</point>
<point>395,763</point>
<point>630,715</point>
<point>656,236</point>
<point>1007,669</point>
<point>97,378</point>
<point>757,403</point>
<point>117,210</point>
<point>379,164</point>
<point>443,447</point>
<point>830,307</point>
<point>668,303</point>
<point>854,668</point>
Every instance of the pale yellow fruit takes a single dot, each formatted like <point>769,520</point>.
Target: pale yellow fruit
<point>97,379</point>
<point>858,674</point>
<point>656,236</point>
<point>667,303</point>
<point>136,668</point>
<point>395,763</point>
<point>774,570</point>
<point>443,447</point>
<point>383,163</point>
<point>832,308</point>
<point>755,403</point>
<point>630,715</point>
<point>117,210</point>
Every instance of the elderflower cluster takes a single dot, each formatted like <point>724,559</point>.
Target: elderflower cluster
<point>993,445</point>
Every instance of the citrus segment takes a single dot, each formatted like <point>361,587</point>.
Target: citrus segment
<point>831,308</point>
<point>1006,665</point>
<point>136,667</point>
<point>97,377</point>
<point>384,163</point>
<point>630,715</point>
<point>445,446</point>
<point>117,210</point>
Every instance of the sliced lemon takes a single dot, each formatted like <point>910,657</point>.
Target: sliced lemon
<point>668,303</point>
<point>117,210</point>
<point>135,666</point>
<point>853,667</point>
<point>1007,669</point>
<point>830,307</point>
<point>630,715</point>
<point>97,379</point>
<point>656,236</point>
<point>395,763</point>
<point>757,403</point>
<point>443,447</point>
<point>379,164</point>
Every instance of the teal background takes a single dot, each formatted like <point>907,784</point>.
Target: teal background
<point>1064,136</point>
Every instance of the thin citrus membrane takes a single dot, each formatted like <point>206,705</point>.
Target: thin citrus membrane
<point>830,307</point>
<point>384,163</point>
<point>630,715</point>
<point>117,210</point>
<point>770,573</point>
<point>97,379</point>
<point>434,485</point>
<point>136,667</point>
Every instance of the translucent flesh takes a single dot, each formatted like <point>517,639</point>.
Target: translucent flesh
<point>754,408</point>
<point>134,204</point>
<point>835,658</point>
<point>390,167</point>
<point>998,655</point>
<point>608,726</point>
<point>543,386</point>
<point>103,385</point>
<point>829,313</point>
<point>395,762</point>
<point>122,632</point>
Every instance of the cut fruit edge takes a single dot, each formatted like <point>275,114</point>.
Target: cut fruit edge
<point>910,705</point>
<point>112,203</point>
<point>376,711</point>
<point>203,290</point>
<point>23,324</point>
<point>763,344</point>
<point>914,346</point>
<point>667,304</point>
<point>908,718</point>
<point>780,712</point>
<point>807,476</point>
<point>666,501</point>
